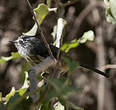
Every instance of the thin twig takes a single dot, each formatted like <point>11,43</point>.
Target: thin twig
<point>40,31</point>
<point>108,66</point>
<point>59,34</point>
<point>95,70</point>
<point>67,3</point>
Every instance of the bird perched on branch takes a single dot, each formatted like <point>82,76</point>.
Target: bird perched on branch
<point>34,51</point>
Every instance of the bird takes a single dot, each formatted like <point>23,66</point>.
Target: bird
<point>34,51</point>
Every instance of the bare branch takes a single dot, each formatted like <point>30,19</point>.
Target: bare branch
<point>41,67</point>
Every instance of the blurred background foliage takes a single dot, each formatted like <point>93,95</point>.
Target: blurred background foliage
<point>93,92</point>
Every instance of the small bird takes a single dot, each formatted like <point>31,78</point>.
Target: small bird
<point>34,51</point>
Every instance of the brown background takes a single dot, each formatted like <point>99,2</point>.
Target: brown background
<point>82,16</point>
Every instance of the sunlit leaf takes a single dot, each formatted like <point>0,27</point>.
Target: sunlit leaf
<point>113,8</point>
<point>58,106</point>
<point>41,12</point>
<point>32,32</point>
<point>67,46</point>
<point>12,92</point>
<point>5,59</point>
<point>26,82</point>
<point>60,26</point>
<point>25,85</point>
<point>87,36</point>
<point>111,11</point>
<point>15,97</point>
<point>13,56</point>
<point>54,34</point>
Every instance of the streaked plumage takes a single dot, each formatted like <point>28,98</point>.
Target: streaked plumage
<point>33,49</point>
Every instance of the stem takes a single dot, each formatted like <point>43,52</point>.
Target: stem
<point>40,31</point>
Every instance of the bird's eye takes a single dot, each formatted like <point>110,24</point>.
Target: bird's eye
<point>20,41</point>
<point>24,39</point>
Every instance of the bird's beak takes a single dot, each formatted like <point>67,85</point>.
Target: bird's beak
<point>12,42</point>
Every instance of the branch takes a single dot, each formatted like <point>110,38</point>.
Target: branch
<point>33,85</point>
<point>41,67</point>
<point>44,65</point>
<point>40,31</point>
<point>108,66</point>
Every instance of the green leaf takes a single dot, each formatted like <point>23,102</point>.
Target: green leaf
<point>21,91</point>
<point>87,36</point>
<point>12,92</point>
<point>71,64</point>
<point>25,86</point>
<point>111,11</point>
<point>25,67</point>
<point>67,46</point>
<point>13,56</point>
<point>41,12</point>
<point>60,88</point>
<point>18,102</point>
<point>5,59</point>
